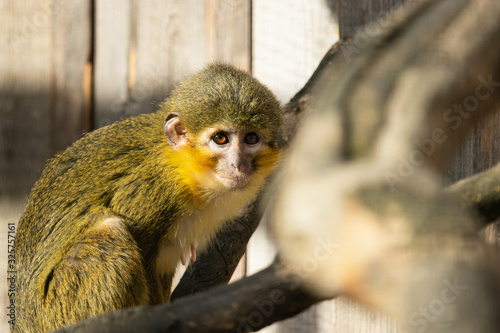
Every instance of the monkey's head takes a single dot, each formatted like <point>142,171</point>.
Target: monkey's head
<point>229,119</point>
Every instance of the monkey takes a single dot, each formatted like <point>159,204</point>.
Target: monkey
<point>113,215</point>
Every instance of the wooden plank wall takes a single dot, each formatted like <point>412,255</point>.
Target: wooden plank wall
<point>67,66</point>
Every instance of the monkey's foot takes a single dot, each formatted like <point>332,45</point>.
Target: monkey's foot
<point>192,254</point>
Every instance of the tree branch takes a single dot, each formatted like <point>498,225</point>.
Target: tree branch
<point>481,193</point>
<point>246,305</point>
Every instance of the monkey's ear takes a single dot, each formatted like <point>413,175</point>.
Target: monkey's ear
<point>174,131</point>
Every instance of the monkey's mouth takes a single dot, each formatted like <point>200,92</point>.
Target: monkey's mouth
<point>234,182</point>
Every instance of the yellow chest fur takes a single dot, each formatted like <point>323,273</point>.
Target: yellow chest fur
<point>200,226</point>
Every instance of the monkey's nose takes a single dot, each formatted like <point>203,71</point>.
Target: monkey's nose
<point>237,167</point>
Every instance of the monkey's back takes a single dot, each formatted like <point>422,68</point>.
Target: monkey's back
<point>119,170</point>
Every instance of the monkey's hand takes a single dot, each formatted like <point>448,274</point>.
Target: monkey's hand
<point>191,252</point>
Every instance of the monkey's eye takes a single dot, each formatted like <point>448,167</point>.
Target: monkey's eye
<point>220,138</point>
<point>251,138</point>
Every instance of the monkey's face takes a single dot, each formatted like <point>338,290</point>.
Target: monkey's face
<point>234,151</point>
<point>224,156</point>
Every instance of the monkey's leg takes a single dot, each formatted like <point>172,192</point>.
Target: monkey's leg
<point>102,271</point>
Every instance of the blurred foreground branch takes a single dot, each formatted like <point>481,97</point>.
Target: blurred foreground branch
<point>390,121</point>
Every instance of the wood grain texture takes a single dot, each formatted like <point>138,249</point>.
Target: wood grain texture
<point>355,319</point>
<point>71,48</point>
<point>228,31</point>
<point>385,73</point>
<point>488,155</point>
<point>42,99</point>
<point>111,59</point>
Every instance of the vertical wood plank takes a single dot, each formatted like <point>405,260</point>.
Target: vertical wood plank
<point>44,48</point>
<point>71,47</point>
<point>228,31</point>
<point>170,43</point>
<point>289,38</point>
<point>111,61</point>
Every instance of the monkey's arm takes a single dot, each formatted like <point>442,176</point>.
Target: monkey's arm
<point>80,285</point>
